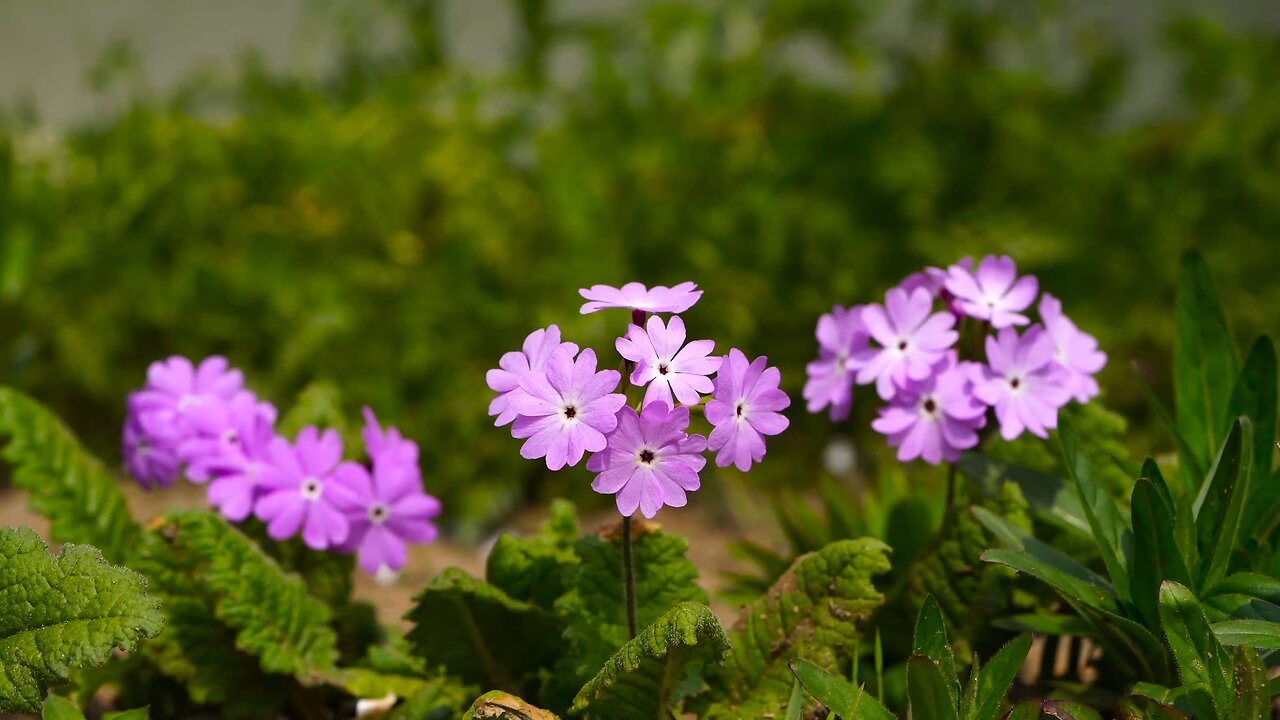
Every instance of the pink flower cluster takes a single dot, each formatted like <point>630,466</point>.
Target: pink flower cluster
<point>937,400</point>
<point>563,407</point>
<point>200,422</point>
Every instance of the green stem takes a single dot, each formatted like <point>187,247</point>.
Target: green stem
<point>628,576</point>
<point>951,485</point>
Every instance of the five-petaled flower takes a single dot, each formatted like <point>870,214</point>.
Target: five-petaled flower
<point>566,409</point>
<point>650,460</point>
<point>505,379</point>
<point>841,333</point>
<point>937,419</point>
<point>913,340</point>
<point>748,405</point>
<point>304,486</point>
<point>1023,382</point>
<point>666,364</point>
<point>1074,349</point>
<point>994,293</point>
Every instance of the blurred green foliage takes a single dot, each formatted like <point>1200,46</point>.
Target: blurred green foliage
<point>397,223</point>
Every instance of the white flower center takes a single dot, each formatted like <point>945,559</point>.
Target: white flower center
<point>904,344</point>
<point>186,402</point>
<point>1017,383</point>
<point>312,489</point>
<point>569,411</point>
<point>379,513</point>
<point>740,412</point>
<point>929,407</point>
<point>646,456</point>
<point>230,437</point>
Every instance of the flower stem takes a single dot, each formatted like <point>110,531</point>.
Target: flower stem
<point>951,484</point>
<point>628,576</point>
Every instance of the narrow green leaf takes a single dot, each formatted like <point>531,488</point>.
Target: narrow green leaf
<point>1094,594</point>
<point>845,700</point>
<point>1136,707</point>
<point>1253,696</point>
<point>931,694</point>
<point>1201,659</point>
<point>1151,473</point>
<point>1113,538</point>
<point>1220,506</point>
<point>1255,397</point>
<point>931,642</point>
<point>63,612</point>
<point>141,713</point>
<point>1184,533</point>
<point>795,705</point>
<point>1204,358</point>
<point>57,707</point>
<point>1154,543</point>
<point>1027,710</point>
<point>1047,495</point>
<point>1253,633</point>
<point>1047,624</point>
<point>1190,465</point>
<point>651,673</point>
<point>997,677</point>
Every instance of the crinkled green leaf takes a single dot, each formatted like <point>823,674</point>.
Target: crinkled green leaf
<point>594,606</point>
<point>651,673</point>
<point>1205,366</point>
<point>505,706</point>
<point>1202,662</point>
<point>533,569</point>
<point>845,700</point>
<point>480,635</point>
<point>436,701</point>
<point>63,612</point>
<point>812,612</point>
<point>66,484</point>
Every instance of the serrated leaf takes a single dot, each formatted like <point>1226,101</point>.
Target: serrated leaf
<point>57,707</point>
<point>811,612</point>
<point>66,484</point>
<point>651,673</point>
<point>930,641</point>
<point>930,693</point>
<point>1204,358</point>
<point>1109,531</point>
<point>996,677</point>
<point>498,705</point>
<point>1220,505</point>
<point>845,700</point>
<point>63,612</point>
<point>436,701</point>
<point>533,569</point>
<point>479,634</point>
<point>595,608</point>
<point>1202,661</point>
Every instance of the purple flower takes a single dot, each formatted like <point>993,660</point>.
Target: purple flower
<point>635,296</point>
<point>994,293</point>
<point>937,419</point>
<point>912,341</point>
<point>303,486</point>
<point>219,431</point>
<point>664,365</point>
<point>841,333</point>
<point>747,405</point>
<point>505,380</point>
<point>149,462</point>
<point>1075,350</point>
<point>1023,382</point>
<point>566,409</point>
<point>388,508</point>
<point>650,460</point>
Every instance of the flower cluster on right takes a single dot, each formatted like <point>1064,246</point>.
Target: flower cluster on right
<point>937,386</point>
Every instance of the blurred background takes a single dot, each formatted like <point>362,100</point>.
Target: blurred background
<point>375,200</point>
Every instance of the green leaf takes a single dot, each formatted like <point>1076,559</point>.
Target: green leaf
<point>1154,546</point>
<point>141,713</point>
<point>319,404</point>
<point>1220,506</point>
<point>1253,633</point>
<point>651,673</point>
<point>845,700</point>
<point>1204,359</point>
<point>57,707</point>
<point>795,704</point>
<point>1202,661</point>
<point>1068,710</point>
<point>1064,576</point>
<point>272,614</point>
<point>1027,710</point>
<point>533,569</point>
<point>1253,695</point>
<point>498,705</point>
<point>1047,495</point>
<point>594,608</point>
<point>479,634</point>
<point>813,612</point>
<point>1113,538</point>
<point>931,694</point>
<point>1137,707</point>
<point>931,642</point>
<point>63,612</point>
<point>1255,397</point>
<point>1190,464</point>
<point>1184,533</point>
<point>1047,624</point>
<point>436,701</point>
<point>67,485</point>
<point>995,679</point>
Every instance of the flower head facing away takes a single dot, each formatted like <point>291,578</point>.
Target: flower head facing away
<point>841,333</point>
<point>994,293</point>
<point>668,366</point>
<point>747,406</point>
<point>634,296</point>
<point>304,486</point>
<point>1074,349</point>
<point>505,379</point>
<point>650,461</point>
<point>936,420</point>
<point>566,409</point>
<point>149,462</point>
<point>229,453</point>
<point>1023,382</point>
<point>912,340</point>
